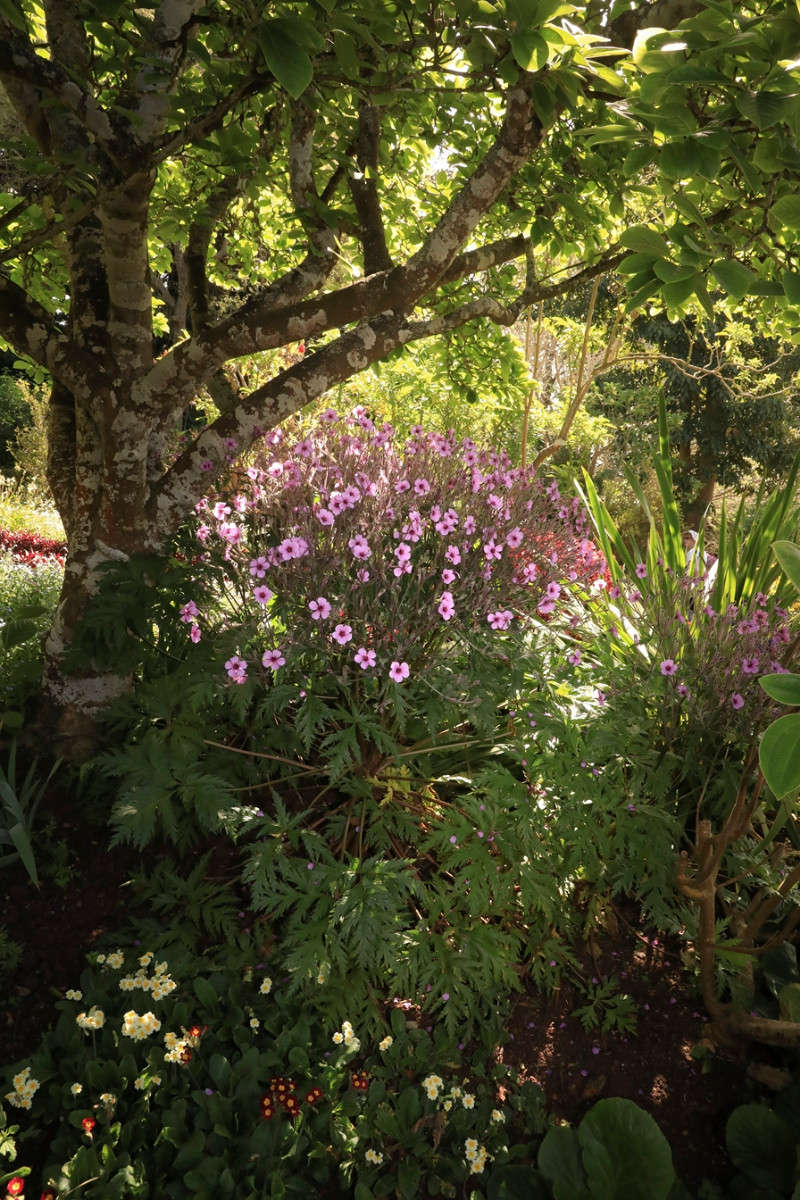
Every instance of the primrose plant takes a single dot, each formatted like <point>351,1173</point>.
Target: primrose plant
<point>371,584</point>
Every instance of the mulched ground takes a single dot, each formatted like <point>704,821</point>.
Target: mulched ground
<point>690,1097</point>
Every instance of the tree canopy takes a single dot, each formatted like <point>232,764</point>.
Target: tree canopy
<point>184,184</point>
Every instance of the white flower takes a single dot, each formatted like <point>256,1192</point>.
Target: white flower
<point>374,1156</point>
<point>266,986</point>
<point>498,1116</point>
<point>386,1043</point>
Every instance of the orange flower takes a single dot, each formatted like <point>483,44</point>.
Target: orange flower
<point>88,1124</point>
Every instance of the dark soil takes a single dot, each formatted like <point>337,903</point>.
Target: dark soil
<point>83,897</point>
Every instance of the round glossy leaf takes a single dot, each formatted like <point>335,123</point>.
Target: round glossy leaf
<point>560,1163</point>
<point>761,1146</point>
<point>783,688</point>
<point>734,277</point>
<point>625,1154</point>
<point>779,754</point>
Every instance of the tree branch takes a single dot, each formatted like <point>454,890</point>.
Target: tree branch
<point>364,190</point>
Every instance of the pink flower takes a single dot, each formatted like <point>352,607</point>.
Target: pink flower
<point>750,666</point>
<point>236,668</point>
<point>325,517</point>
<point>492,550</point>
<point>273,659</point>
<point>553,591</point>
<point>500,619</point>
<point>529,572</point>
<point>545,607</point>
<point>402,486</point>
<point>683,691</point>
<point>220,510</point>
<point>421,486</point>
<point>641,571</point>
<point>737,700</point>
<point>469,525</point>
<point>342,634</point>
<point>446,606</point>
<point>262,594</point>
<point>258,566</point>
<point>574,658</point>
<point>362,576</point>
<point>194,633</point>
<point>365,658</point>
<point>360,547</point>
<point>453,555</point>
<point>399,671</point>
<point>320,609</point>
<point>447,575</point>
<point>189,611</point>
<point>668,666</point>
<point>514,538</point>
<point>329,416</point>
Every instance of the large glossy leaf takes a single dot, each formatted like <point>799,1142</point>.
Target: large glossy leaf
<point>762,1147</point>
<point>515,1182</point>
<point>783,688</point>
<point>530,50</point>
<point>560,1163</point>
<point>625,1154</point>
<point>779,754</point>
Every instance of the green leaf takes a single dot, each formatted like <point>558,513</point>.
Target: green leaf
<point>680,159</point>
<point>645,241</point>
<point>735,278</point>
<point>783,688</point>
<point>287,61</point>
<point>636,160</point>
<point>409,1173</point>
<point>12,15</point>
<point>791,286</point>
<point>764,109</point>
<point>559,1161</point>
<point>625,1154</point>
<point>676,294</point>
<point>785,213</point>
<point>779,754</point>
<point>206,994</point>
<point>788,555</point>
<point>530,50</point>
<point>761,1146</point>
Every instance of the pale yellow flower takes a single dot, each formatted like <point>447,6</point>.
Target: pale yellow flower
<point>498,1116</point>
<point>76,1089</point>
<point>116,960</point>
<point>468,1100</point>
<point>374,1156</point>
<point>386,1043</point>
<point>254,1023</point>
<point>266,986</point>
<point>72,994</point>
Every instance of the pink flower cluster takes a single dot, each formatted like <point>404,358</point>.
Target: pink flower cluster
<point>352,550</point>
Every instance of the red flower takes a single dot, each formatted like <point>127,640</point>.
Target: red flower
<point>88,1124</point>
<point>291,1104</point>
<point>267,1107</point>
<point>314,1095</point>
<point>360,1081</point>
<point>15,1186</point>
<point>195,1031</point>
<point>49,1194</point>
<point>186,1056</point>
